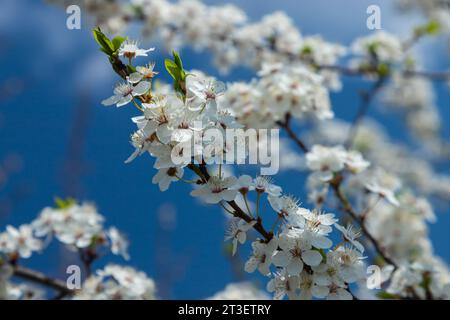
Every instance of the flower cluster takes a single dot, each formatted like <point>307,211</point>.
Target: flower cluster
<point>240,291</point>
<point>116,282</point>
<point>303,269</point>
<point>280,91</point>
<point>381,194</point>
<point>224,30</point>
<point>415,97</point>
<point>378,47</point>
<point>228,34</point>
<point>372,141</point>
<point>297,243</point>
<point>19,243</point>
<point>80,227</point>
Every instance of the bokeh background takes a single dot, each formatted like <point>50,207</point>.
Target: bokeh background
<point>56,139</point>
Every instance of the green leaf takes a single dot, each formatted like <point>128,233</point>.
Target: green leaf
<point>104,42</point>
<point>372,48</point>
<point>383,69</point>
<point>431,28</point>
<point>386,295</point>
<point>64,203</point>
<point>177,60</point>
<point>306,50</point>
<point>117,42</point>
<point>173,69</point>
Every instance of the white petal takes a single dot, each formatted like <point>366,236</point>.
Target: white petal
<point>281,259</point>
<point>135,77</point>
<point>141,88</point>
<point>320,291</point>
<point>311,257</point>
<point>111,100</point>
<point>229,195</point>
<point>321,242</point>
<point>124,100</point>
<point>251,265</point>
<point>133,155</point>
<point>295,267</point>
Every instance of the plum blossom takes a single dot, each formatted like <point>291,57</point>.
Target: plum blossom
<point>20,241</point>
<point>145,73</point>
<point>119,245</point>
<point>130,50</point>
<point>284,205</point>
<point>261,257</point>
<point>295,252</point>
<point>165,176</point>
<point>237,232</point>
<point>206,91</point>
<point>217,189</point>
<point>314,226</point>
<point>119,283</point>
<point>125,92</point>
<point>282,284</point>
<point>350,234</point>
<point>325,161</point>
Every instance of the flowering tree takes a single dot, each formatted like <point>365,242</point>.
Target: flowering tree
<point>374,195</point>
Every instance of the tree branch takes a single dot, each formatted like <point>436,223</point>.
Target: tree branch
<point>203,173</point>
<point>286,126</point>
<point>366,99</point>
<point>42,279</point>
<point>347,207</point>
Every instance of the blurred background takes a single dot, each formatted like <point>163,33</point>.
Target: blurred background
<point>56,139</point>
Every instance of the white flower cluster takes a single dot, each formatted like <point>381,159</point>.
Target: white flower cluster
<point>327,164</point>
<point>303,269</point>
<point>297,249</point>
<point>12,291</point>
<point>415,96</point>
<point>436,10</point>
<point>377,47</point>
<point>240,291</point>
<point>79,226</point>
<point>224,30</point>
<point>280,91</point>
<point>19,243</point>
<point>373,142</point>
<point>399,224</point>
<point>116,282</point>
<point>403,232</point>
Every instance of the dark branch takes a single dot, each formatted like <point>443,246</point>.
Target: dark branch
<point>42,279</point>
<point>286,126</point>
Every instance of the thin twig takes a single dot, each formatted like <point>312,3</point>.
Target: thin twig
<point>42,279</point>
<point>366,99</point>
<point>347,207</point>
<point>203,173</point>
<point>286,126</point>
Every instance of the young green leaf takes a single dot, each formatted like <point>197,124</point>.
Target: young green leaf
<point>173,69</point>
<point>117,42</point>
<point>104,42</point>
<point>177,60</point>
<point>64,203</point>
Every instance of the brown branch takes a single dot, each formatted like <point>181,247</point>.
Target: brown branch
<point>42,279</point>
<point>203,173</point>
<point>347,207</point>
<point>286,126</point>
<point>366,99</point>
<point>356,72</point>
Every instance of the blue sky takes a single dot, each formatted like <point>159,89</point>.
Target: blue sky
<point>56,79</point>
